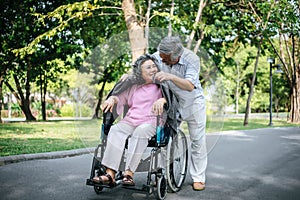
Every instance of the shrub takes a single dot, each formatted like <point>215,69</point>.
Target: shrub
<point>69,110</point>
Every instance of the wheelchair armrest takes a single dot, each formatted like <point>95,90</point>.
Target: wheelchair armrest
<point>152,142</point>
<point>108,120</point>
<point>106,128</point>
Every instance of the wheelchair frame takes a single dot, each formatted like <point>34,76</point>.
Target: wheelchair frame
<point>169,179</point>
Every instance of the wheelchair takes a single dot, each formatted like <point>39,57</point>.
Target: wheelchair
<point>166,164</point>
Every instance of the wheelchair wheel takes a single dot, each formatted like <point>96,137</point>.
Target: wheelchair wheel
<point>98,189</point>
<point>161,192</point>
<point>98,170</point>
<point>177,159</point>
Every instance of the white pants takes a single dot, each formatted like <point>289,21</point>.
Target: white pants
<point>196,125</point>
<point>137,144</point>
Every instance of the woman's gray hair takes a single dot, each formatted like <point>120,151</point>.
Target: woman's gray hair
<point>137,70</point>
<point>171,45</point>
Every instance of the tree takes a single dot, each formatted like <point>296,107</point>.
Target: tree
<point>38,62</point>
<point>3,71</point>
<point>280,19</point>
<point>243,22</point>
<point>1,95</point>
<point>197,21</point>
<point>221,27</point>
<point>20,28</point>
<point>285,28</point>
<point>236,76</point>
<point>13,24</point>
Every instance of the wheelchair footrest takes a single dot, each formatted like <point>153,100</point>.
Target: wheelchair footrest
<point>89,182</point>
<point>144,188</point>
<point>92,183</point>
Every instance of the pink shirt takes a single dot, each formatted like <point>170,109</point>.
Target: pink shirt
<point>140,100</point>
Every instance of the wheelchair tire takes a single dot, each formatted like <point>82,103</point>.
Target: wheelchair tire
<point>177,160</point>
<point>161,192</point>
<point>98,189</point>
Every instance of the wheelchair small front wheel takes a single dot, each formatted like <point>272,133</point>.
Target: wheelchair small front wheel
<point>98,189</point>
<point>161,192</point>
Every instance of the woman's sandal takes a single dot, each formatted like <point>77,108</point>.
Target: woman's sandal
<point>109,181</point>
<point>128,180</point>
<point>198,186</point>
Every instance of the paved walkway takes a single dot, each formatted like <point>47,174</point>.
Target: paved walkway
<point>242,165</point>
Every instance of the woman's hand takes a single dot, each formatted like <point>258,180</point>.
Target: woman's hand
<point>109,103</point>
<point>158,106</point>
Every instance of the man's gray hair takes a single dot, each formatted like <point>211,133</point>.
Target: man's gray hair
<point>171,45</point>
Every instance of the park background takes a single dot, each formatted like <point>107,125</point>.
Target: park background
<point>51,68</point>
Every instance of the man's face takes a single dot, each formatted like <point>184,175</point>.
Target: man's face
<point>166,58</point>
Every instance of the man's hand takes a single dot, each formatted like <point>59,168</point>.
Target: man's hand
<point>163,76</point>
<point>179,82</point>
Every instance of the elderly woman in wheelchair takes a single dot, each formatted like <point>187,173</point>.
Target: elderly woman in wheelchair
<point>144,101</point>
<point>148,106</point>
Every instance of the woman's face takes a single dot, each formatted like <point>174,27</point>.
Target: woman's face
<point>149,69</point>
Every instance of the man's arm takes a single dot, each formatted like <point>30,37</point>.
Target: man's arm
<point>179,82</point>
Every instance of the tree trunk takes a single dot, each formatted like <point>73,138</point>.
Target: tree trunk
<point>26,101</point>
<point>97,108</point>
<point>23,102</point>
<point>135,29</point>
<point>1,95</point>
<point>43,90</point>
<point>171,16</point>
<point>147,26</point>
<point>237,99</point>
<point>248,106</point>
<point>237,88</point>
<point>26,110</point>
<point>291,67</point>
<point>295,99</point>
<point>202,5</point>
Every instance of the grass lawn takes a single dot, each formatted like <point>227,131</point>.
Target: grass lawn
<point>35,137</point>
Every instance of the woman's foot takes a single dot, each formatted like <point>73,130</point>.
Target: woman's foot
<point>198,186</point>
<point>105,180</point>
<point>128,179</point>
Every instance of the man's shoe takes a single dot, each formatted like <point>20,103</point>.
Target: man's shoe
<point>198,186</point>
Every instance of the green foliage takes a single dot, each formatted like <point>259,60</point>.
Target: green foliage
<point>64,16</point>
<point>42,62</point>
<point>16,110</point>
<point>73,110</point>
<point>42,41</point>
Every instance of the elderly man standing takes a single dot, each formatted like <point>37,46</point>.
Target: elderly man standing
<point>180,69</point>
